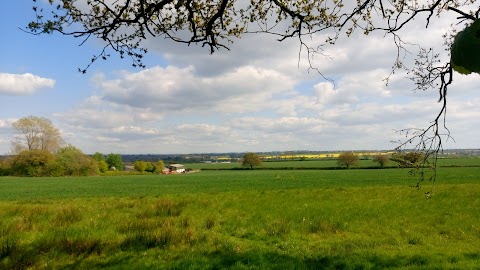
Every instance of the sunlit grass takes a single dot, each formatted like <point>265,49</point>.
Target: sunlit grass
<point>241,220</point>
<point>24,188</point>
<point>329,164</point>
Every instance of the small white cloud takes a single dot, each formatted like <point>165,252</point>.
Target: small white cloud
<point>23,84</point>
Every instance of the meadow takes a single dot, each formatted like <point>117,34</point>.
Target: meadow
<point>330,164</point>
<point>242,219</point>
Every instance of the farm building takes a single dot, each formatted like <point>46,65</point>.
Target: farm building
<point>178,168</point>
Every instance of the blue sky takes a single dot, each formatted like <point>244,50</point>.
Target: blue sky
<point>255,97</point>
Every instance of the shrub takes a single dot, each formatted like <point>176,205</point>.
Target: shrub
<point>33,163</point>
<point>140,166</point>
<point>73,162</point>
<point>5,166</point>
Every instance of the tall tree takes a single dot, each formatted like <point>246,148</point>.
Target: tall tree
<point>36,133</point>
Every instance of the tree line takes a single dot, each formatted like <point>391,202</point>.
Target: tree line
<point>39,150</point>
<point>349,159</point>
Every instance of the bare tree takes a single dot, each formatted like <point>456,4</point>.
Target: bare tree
<point>36,133</point>
<point>123,25</point>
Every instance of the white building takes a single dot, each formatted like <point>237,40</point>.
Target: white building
<point>178,168</point>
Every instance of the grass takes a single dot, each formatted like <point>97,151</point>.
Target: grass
<point>302,219</point>
<point>330,164</point>
<point>14,188</point>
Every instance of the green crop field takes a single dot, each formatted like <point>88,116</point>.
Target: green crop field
<point>329,163</point>
<point>260,219</point>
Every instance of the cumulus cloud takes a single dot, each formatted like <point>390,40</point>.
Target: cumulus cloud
<point>23,84</point>
<point>249,108</point>
<point>173,90</point>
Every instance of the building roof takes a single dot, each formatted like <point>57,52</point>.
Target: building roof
<point>175,165</point>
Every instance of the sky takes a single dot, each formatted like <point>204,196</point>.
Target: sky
<point>259,96</point>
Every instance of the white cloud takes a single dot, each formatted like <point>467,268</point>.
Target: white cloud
<point>23,84</point>
<point>180,90</point>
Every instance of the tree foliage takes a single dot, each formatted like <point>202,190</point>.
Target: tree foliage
<point>381,159</point>
<point>5,166</point>
<point>123,25</point>
<point>251,160</point>
<point>36,162</point>
<point>36,133</point>
<point>147,166</point>
<point>347,159</point>
<point>409,159</point>
<point>98,156</point>
<point>73,162</point>
<point>102,164</point>
<point>159,166</point>
<point>68,161</point>
<point>140,166</point>
<point>465,55</point>
<point>114,162</point>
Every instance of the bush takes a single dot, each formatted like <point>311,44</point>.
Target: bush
<point>102,166</point>
<point>33,163</point>
<point>73,162</point>
<point>5,166</point>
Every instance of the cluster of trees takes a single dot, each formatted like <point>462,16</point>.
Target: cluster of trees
<point>67,161</point>
<point>146,166</point>
<point>404,160</point>
<point>113,162</point>
<point>348,159</point>
<point>39,150</point>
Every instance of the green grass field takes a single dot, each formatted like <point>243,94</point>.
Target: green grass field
<point>330,163</point>
<point>260,219</point>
